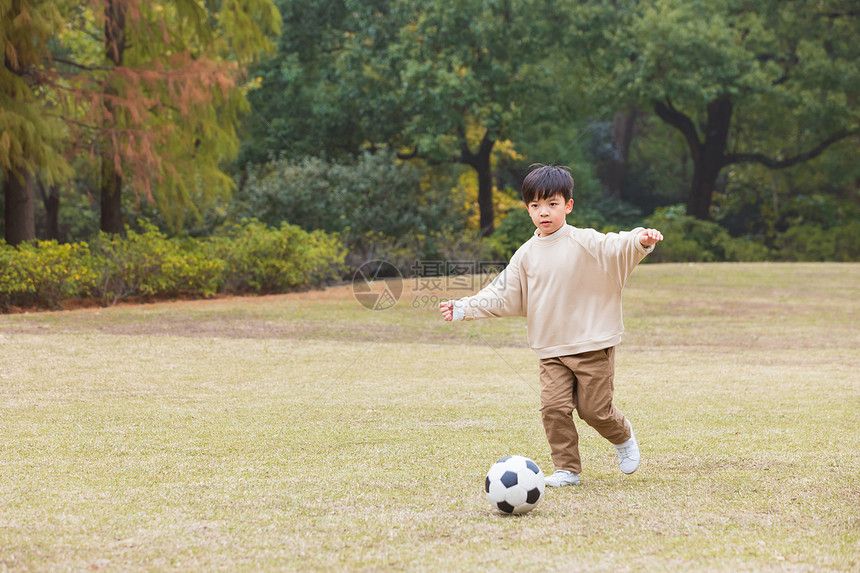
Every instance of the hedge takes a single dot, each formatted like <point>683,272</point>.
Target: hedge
<point>249,258</point>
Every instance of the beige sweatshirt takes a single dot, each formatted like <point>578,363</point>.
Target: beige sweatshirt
<point>568,285</point>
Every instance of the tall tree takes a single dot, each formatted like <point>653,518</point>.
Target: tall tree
<point>463,75</point>
<point>157,99</point>
<point>442,81</point>
<point>302,104</point>
<point>770,82</point>
<point>30,142</point>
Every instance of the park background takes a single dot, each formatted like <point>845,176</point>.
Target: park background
<point>266,145</point>
<point>201,148</point>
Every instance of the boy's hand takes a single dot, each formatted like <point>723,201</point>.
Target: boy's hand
<point>650,237</point>
<point>447,310</point>
<point>452,310</point>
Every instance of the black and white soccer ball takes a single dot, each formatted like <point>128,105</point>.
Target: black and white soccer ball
<point>514,484</point>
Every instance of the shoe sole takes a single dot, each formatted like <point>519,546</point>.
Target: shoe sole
<point>548,484</point>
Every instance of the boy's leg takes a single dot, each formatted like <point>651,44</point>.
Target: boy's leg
<point>557,398</point>
<point>595,387</point>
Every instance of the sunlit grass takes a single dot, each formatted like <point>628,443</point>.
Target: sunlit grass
<point>303,432</point>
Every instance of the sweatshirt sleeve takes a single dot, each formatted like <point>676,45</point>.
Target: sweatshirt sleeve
<point>504,296</point>
<point>619,253</point>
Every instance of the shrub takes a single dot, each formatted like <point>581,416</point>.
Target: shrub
<point>688,239</point>
<point>262,260</point>
<point>381,208</point>
<point>43,273</point>
<point>811,242</point>
<point>246,258</point>
<point>148,264</point>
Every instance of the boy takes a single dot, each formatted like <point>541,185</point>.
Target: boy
<point>568,283</point>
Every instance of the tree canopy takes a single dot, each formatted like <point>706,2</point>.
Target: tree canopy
<point>769,82</point>
<point>147,91</point>
<point>738,109</point>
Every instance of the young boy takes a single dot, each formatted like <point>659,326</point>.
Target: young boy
<point>568,282</point>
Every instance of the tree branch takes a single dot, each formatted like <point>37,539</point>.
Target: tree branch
<point>82,66</point>
<point>834,15</point>
<point>760,158</point>
<point>680,121</point>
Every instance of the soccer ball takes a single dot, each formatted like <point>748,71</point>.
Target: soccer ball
<point>514,484</point>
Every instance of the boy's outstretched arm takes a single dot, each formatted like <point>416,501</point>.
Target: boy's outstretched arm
<point>502,297</point>
<point>650,237</point>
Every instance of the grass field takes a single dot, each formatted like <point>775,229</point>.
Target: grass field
<point>304,432</point>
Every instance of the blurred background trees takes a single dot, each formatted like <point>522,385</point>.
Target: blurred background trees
<point>406,127</point>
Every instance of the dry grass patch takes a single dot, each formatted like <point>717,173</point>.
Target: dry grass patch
<point>302,432</point>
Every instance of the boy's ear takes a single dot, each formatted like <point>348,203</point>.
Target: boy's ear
<point>569,207</point>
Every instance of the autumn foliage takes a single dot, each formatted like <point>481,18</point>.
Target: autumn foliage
<point>145,95</point>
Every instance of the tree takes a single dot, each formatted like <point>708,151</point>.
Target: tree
<point>440,81</point>
<point>302,105</point>
<point>771,82</point>
<point>30,143</point>
<point>460,76</point>
<point>153,92</point>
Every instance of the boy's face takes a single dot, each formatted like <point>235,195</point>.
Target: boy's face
<point>548,215</point>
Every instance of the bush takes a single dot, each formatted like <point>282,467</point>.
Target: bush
<point>43,273</point>
<point>688,239</point>
<point>246,258</point>
<point>811,242</point>
<point>150,265</point>
<point>381,208</point>
<point>259,259</point>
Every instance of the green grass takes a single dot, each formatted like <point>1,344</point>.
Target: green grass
<point>303,432</point>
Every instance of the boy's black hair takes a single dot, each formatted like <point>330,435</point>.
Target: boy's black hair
<point>547,181</point>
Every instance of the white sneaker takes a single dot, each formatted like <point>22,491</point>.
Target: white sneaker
<point>562,477</point>
<point>628,453</point>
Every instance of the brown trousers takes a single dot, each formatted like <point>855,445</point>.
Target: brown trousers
<point>585,383</point>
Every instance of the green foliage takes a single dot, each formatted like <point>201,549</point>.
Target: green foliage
<point>246,258</point>
<point>771,82</point>
<point>374,193</point>
<point>812,242</point>
<point>688,239</point>
<point>29,138</point>
<point>43,273</point>
<point>514,230</point>
<point>259,259</point>
<point>303,105</point>
<point>160,98</point>
<point>381,207</point>
<point>149,264</point>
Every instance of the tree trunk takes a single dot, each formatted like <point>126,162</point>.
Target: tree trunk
<point>709,157</point>
<point>485,197</point>
<point>19,213</point>
<point>622,137</point>
<point>111,198</point>
<point>712,158</point>
<point>111,179</point>
<point>480,162</point>
<point>51,202</point>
